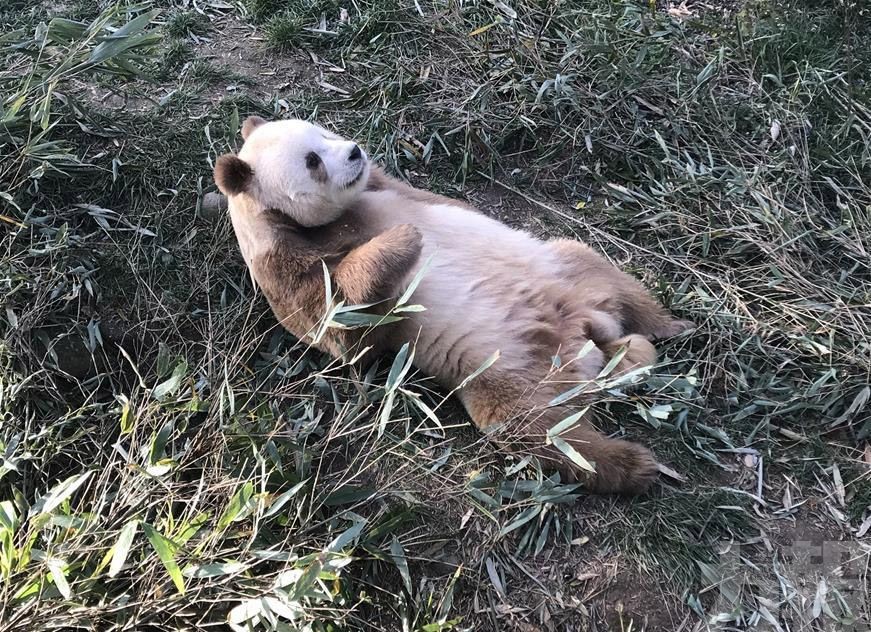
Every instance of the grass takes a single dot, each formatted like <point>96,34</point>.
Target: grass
<point>172,460</point>
<point>182,24</point>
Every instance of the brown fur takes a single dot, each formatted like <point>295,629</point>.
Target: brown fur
<point>380,181</point>
<point>250,124</point>
<point>365,268</point>
<point>576,297</point>
<point>233,175</point>
<point>619,294</point>
<point>514,411</point>
<point>639,352</point>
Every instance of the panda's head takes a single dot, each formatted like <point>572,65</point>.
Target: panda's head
<point>293,166</point>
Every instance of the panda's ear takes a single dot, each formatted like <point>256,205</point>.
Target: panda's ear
<point>232,174</point>
<point>251,123</point>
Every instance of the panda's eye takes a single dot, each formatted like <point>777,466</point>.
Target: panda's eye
<point>312,160</point>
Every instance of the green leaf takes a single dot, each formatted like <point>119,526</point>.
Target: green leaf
<point>161,467</point>
<point>563,446</point>
<point>348,494</point>
<point>707,72</point>
<point>157,452</point>
<point>282,500</point>
<point>57,568</point>
<point>401,365</point>
<point>219,569</point>
<point>612,364</point>
<point>329,318</point>
<point>522,519</point>
<point>127,419</point>
<point>661,141</point>
<point>303,584</point>
<point>239,507</point>
<point>567,423</point>
<point>542,537</point>
<point>13,110</point>
<point>569,394</point>
<point>59,493</point>
<point>40,112</point>
<point>122,547</point>
<point>165,550</point>
<point>660,411</point>
<point>486,365</point>
<point>8,516</point>
<point>8,553</point>
<point>493,574</point>
<point>585,350</point>
<point>398,555</point>
<point>351,320</point>
<point>447,600</point>
<point>170,386</point>
<point>483,497</point>
<point>386,409</point>
<point>189,528</point>
<point>164,359</point>
<point>426,410</point>
<point>409,308</point>
<point>62,31</point>
<point>858,403</point>
<point>345,538</point>
<point>128,36</point>
<point>415,282</point>
<point>245,611</point>
<point>328,285</point>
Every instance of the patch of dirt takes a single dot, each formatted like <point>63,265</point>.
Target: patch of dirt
<point>638,603</point>
<point>508,207</point>
<point>243,63</point>
<point>796,566</point>
<point>572,589</point>
<point>239,49</point>
<point>135,98</point>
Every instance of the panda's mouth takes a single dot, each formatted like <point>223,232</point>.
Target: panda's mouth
<point>356,178</point>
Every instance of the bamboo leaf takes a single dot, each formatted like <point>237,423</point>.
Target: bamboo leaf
<point>219,569</point>
<point>282,500</point>
<point>125,38</point>
<point>59,493</point>
<point>401,365</point>
<point>525,516</point>
<point>165,551</point>
<point>346,537</point>
<point>612,364</point>
<point>57,569</point>
<point>566,448</point>
<point>170,386</point>
<point>567,423</point>
<point>415,282</point>
<point>398,555</point>
<point>122,547</point>
<point>486,365</point>
<point>239,506</point>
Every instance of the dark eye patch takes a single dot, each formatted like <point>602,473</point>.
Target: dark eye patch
<point>312,160</point>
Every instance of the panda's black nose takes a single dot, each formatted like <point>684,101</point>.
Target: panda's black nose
<point>356,154</point>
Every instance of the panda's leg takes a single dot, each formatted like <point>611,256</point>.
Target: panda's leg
<point>372,271</point>
<point>617,293</point>
<point>519,420</point>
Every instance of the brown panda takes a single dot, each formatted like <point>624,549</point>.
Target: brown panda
<point>301,197</point>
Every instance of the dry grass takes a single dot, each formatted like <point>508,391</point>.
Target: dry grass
<point>171,460</point>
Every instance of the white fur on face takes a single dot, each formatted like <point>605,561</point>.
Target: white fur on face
<point>280,153</point>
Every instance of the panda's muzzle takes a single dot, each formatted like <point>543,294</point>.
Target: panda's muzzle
<point>356,178</point>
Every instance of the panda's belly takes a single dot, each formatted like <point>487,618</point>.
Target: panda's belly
<point>488,288</point>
